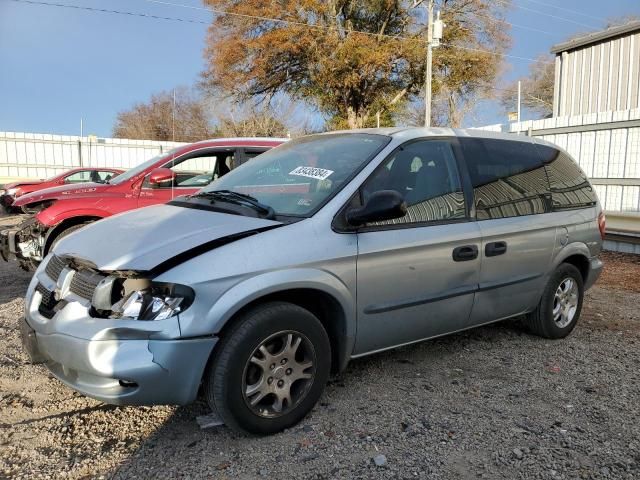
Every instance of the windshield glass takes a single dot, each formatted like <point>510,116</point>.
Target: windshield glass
<point>129,174</point>
<point>297,177</point>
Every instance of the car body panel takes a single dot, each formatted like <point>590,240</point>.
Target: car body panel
<point>510,283</point>
<point>400,298</point>
<point>147,237</point>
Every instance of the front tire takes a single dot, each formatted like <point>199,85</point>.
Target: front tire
<point>270,369</point>
<point>559,309</point>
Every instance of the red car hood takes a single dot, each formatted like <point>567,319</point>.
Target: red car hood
<point>57,193</point>
<point>7,186</point>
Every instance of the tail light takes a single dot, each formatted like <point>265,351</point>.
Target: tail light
<point>602,224</point>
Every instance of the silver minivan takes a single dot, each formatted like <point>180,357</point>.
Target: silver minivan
<point>327,248</point>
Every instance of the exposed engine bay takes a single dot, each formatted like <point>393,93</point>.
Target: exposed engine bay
<point>25,242</point>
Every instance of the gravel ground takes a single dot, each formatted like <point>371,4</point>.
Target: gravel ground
<point>494,402</point>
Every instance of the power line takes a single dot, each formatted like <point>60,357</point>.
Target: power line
<point>506,55</point>
<point>105,10</point>
<point>257,17</point>
<point>568,10</point>
<point>550,15</point>
<point>222,12</point>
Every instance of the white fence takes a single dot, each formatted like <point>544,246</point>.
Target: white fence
<point>31,155</point>
<point>607,147</point>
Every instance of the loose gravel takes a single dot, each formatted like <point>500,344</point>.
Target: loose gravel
<point>494,402</point>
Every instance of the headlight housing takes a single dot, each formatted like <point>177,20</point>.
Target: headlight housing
<point>140,299</point>
<point>11,191</point>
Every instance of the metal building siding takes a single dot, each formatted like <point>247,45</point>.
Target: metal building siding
<point>600,77</point>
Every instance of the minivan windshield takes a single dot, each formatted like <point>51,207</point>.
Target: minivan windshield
<point>132,172</point>
<point>299,176</point>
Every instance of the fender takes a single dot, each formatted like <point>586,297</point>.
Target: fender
<point>53,219</point>
<point>574,248</point>
<point>254,288</point>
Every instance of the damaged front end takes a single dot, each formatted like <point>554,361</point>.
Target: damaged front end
<point>25,243</point>
<point>114,336</point>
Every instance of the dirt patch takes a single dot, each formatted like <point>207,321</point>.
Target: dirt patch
<point>621,271</point>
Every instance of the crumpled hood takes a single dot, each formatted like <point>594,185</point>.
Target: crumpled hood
<point>57,193</point>
<point>143,239</point>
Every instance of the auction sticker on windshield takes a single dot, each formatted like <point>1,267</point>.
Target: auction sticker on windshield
<point>311,172</point>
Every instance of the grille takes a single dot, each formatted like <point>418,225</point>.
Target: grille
<point>54,267</point>
<point>48,301</point>
<point>84,282</point>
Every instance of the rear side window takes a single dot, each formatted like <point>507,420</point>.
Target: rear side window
<point>568,184</point>
<point>508,178</point>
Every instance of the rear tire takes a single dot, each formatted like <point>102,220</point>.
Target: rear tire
<point>559,309</point>
<point>270,369</point>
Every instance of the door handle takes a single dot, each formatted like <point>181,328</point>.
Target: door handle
<point>465,253</point>
<point>494,249</point>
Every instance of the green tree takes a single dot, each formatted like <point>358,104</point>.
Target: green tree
<point>319,57</point>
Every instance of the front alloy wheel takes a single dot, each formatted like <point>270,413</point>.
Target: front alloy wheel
<point>269,368</point>
<point>278,374</point>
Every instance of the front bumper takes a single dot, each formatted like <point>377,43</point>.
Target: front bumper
<point>124,372</point>
<point>115,361</point>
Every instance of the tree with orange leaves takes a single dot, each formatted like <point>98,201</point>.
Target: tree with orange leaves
<point>352,59</point>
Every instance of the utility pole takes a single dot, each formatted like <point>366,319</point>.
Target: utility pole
<point>429,74</point>
<point>519,98</point>
<point>173,117</point>
<point>434,35</point>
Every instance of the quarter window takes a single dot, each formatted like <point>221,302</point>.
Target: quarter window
<point>569,185</point>
<point>426,174</point>
<point>508,178</point>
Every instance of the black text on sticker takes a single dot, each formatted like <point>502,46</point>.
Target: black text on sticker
<point>311,172</point>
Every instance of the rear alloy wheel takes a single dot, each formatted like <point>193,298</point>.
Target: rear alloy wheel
<point>270,369</point>
<point>565,302</point>
<point>559,309</point>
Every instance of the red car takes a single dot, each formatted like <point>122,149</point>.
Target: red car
<point>61,210</point>
<point>11,191</point>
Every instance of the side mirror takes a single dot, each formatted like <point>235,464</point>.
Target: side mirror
<point>381,205</point>
<point>161,175</point>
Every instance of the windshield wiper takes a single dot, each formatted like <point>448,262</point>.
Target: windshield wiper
<point>238,199</point>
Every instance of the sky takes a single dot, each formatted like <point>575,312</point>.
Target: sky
<point>61,65</point>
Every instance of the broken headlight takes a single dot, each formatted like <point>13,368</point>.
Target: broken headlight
<point>142,299</point>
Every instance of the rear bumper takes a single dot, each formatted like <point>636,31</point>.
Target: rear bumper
<point>595,269</point>
<point>123,372</point>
